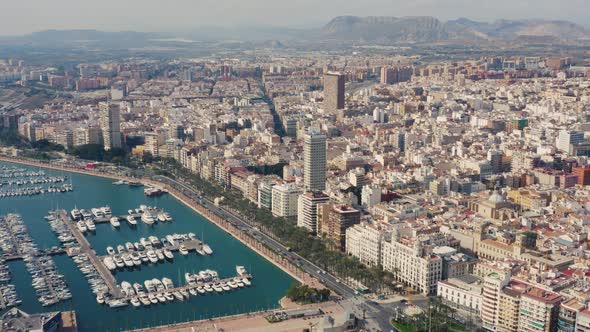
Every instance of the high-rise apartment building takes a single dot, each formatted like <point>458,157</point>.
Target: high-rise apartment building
<point>333,91</point>
<point>307,210</point>
<point>314,159</point>
<point>567,138</point>
<point>110,122</point>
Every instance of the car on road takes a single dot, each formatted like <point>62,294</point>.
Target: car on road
<point>403,301</point>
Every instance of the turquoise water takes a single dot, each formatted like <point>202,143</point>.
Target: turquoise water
<point>268,286</point>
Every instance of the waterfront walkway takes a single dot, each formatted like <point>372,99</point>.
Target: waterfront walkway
<point>86,248</point>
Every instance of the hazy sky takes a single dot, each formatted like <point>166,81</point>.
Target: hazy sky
<point>23,16</point>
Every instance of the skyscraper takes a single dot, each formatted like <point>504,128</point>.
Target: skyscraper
<point>333,92</point>
<point>314,159</point>
<point>110,123</point>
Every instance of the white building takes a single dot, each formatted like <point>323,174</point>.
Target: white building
<point>284,200</point>
<point>411,263</point>
<point>567,138</point>
<point>464,293</point>
<point>364,242</point>
<point>370,196</point>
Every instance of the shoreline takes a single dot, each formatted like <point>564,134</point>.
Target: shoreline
<point>182,198</point>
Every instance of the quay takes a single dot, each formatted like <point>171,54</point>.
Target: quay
<point>86,248</point>
<point>57,252</point>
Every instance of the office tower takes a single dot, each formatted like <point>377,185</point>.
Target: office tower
<point>333,92</point>
<point>567,138</point>
<point>314,159</point>
<point>110,122</point>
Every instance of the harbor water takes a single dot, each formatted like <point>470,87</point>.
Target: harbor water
<point>269,283</point>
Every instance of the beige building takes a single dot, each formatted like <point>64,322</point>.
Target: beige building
<point>364,242</point>
<point>284,200</point>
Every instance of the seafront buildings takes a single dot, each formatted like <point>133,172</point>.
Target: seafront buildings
<point>463,179</point>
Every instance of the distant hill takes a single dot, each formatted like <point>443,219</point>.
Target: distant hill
<point>430,29</point>
<point>87,35</point>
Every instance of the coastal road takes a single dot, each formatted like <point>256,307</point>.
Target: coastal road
<point>374,312</point>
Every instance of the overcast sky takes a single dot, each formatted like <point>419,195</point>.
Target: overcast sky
<point>24,16</point>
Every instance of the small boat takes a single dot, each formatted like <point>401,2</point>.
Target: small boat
<point>184,293</point>
<point>161,217</point>
<point>106,210</point>
<point>109,263</point>
<point>240,270</point>
<point>90,225</point>
<point>178,296</point>
<point>158,284</point>
<point>189,278</point>
<point>152,298</point>
<point>201,290</point>
<point>168,254</point>
<point>160,255</point>
<point>161,298</point>
<point>167,216</point>
<point>85,214</point>
<point>246,282</point>
<point>207,249</point>
<point>115,222</point>
<point>138,288</point>
<point>118,303</point>
<point>97,212</point>
<point>136,258</point>
<point>131,220</point>
<point>149,286</point>
<point>226,287</point>
<point>110,251</point>
<point>217,288</point>
<point>135,302</point>
<point>128,261</point>
<point>75,213</point>
<point>193,292</point>
<point>134,184</point>
<point>144,300</point>
<point>100,298</point>
<point>200,252</point>
<point>129,246</point>
<point>169,296</point>
<point>144,257</point>
<point>120,182</point>
<point>130,211</point>
<point>167,283</point>
<point>182,249</point>
<point>240,284</point>
<point>232,284</point>
<point>120,248</point>
<point>152,256</point>
<point>81,226</point>
<point>118,261</point>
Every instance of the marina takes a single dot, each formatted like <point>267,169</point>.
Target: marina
<point>48,283</point>
<point>89,279</point>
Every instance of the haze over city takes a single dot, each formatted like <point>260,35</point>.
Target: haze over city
<point>20,17</point>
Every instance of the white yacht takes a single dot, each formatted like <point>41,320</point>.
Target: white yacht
<point>144,257</point>
<point>76,214</point>
<point>85,214</point>
<point>110,251</point>
<point>129,246</point>
<point>118,261</point>
<point>115,222</point>
<point>147,218</point>
<point>161,217</point>
<point>169,296</point>
<point>144,300</point>
<point>160,255</point>
<point>128,261</point>
<point>81,226</point>
<point>106,211</point>
<point>100,298</point>
<point>168,254</point>
<point>131,220</point>
<point>152,256</point>
<point>240,270</point>
<point>246,282</point>
<point>138,288</point>
<point>193,291</point>
<point>135,302</point>
<point>149,286</point>
<point>120,248</point>
<point>152,298</point>
<point>90,225</point>
<point>109,263</point>
<point>167,216</point>
<point>207,249</point>
<point>225,287</point>
<point>167,283</point>
<point>232,284</point>
<point>136,259</point>
<point>97,212</point>
<point>201,290</point>
<point>190,278</point>
<point>161,298</point>
<point>183,250</point>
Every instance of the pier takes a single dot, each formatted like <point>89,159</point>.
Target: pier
<point>86,248</point>
<point>201,284</point>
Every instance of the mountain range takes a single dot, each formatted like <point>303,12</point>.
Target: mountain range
<point>430,29</point>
